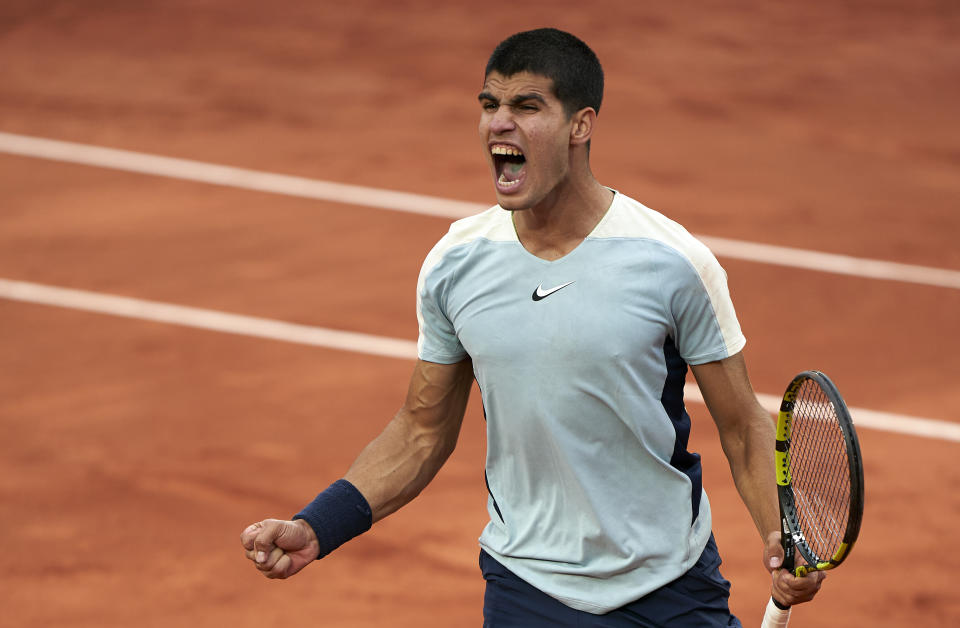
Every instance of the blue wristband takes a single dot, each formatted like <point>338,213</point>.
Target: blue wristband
<point>337,515</point>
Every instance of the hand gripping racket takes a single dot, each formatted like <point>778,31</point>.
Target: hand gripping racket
<point>819,481</point>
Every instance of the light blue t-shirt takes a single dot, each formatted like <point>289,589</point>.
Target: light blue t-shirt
<point>593,497</point>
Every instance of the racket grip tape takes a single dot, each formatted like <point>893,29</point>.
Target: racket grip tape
<point>775,616</point>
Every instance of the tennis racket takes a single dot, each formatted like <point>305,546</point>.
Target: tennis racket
<point>819,481</point>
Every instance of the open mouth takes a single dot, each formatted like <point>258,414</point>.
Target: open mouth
<point>509,163</point>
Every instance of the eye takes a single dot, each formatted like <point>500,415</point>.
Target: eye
<point>488,105</point>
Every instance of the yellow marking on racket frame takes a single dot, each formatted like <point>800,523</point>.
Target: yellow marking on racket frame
<point>784,426</point>
<point>782,458</point>
<point>803,570</point>
<point>783,467</point>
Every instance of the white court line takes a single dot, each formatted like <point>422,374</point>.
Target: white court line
<point>302,187</point>
<point>871,419</point>
<point>363,343</point>
<point>230,176</point>
<point>206,319</point>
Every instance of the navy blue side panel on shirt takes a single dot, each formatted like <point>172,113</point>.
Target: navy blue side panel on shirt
<point>486,479</point>
<point>672,399</point>
<point>492,498</point>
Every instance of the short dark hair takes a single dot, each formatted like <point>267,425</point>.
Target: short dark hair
<point>572,66</point>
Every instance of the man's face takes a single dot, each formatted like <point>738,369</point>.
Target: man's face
<point>525,134</point>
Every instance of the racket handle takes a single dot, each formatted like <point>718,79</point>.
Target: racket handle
<point>775,617</point>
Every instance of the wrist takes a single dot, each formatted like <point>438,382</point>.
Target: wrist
<point>307,530</point>
<point>335,516</point>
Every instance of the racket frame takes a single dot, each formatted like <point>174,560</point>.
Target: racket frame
<point>792,537</point>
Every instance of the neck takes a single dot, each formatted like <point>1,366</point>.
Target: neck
<point>560,222</point>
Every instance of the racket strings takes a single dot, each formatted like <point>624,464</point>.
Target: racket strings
<point>819,463</point>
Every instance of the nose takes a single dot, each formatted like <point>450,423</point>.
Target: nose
<point>502,121</point>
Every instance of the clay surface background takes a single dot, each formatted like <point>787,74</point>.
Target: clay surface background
<point>134,452</point>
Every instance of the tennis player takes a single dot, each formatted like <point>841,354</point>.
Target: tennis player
<point>578,311</point>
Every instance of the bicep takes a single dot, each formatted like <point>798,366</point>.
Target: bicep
<point>729,396</point>
<point>437,395</point>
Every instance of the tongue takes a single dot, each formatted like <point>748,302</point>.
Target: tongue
<point>511,171</point>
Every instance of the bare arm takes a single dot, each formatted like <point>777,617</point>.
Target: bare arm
<point>401,461</point>
<point>388,473</point>
<point>747,437</point>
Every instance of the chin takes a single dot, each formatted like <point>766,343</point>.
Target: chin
<point>513,202</point>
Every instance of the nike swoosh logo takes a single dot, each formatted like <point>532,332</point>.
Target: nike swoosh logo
<point>540,293</point>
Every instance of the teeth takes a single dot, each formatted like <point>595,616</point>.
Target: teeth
<point>506,150</point>
<point>503,181</point>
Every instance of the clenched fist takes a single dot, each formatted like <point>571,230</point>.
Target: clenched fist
<point>279,548</point>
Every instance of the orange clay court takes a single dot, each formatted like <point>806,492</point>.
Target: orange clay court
<point>135,451</point>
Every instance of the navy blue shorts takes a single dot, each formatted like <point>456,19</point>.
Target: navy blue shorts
<point>697,599</point>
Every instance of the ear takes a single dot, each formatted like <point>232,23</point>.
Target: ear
<point>582,125</point>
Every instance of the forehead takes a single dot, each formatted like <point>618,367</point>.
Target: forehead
<point>504,87</point>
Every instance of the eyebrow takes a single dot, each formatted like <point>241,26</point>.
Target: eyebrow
<point>516,100</point>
